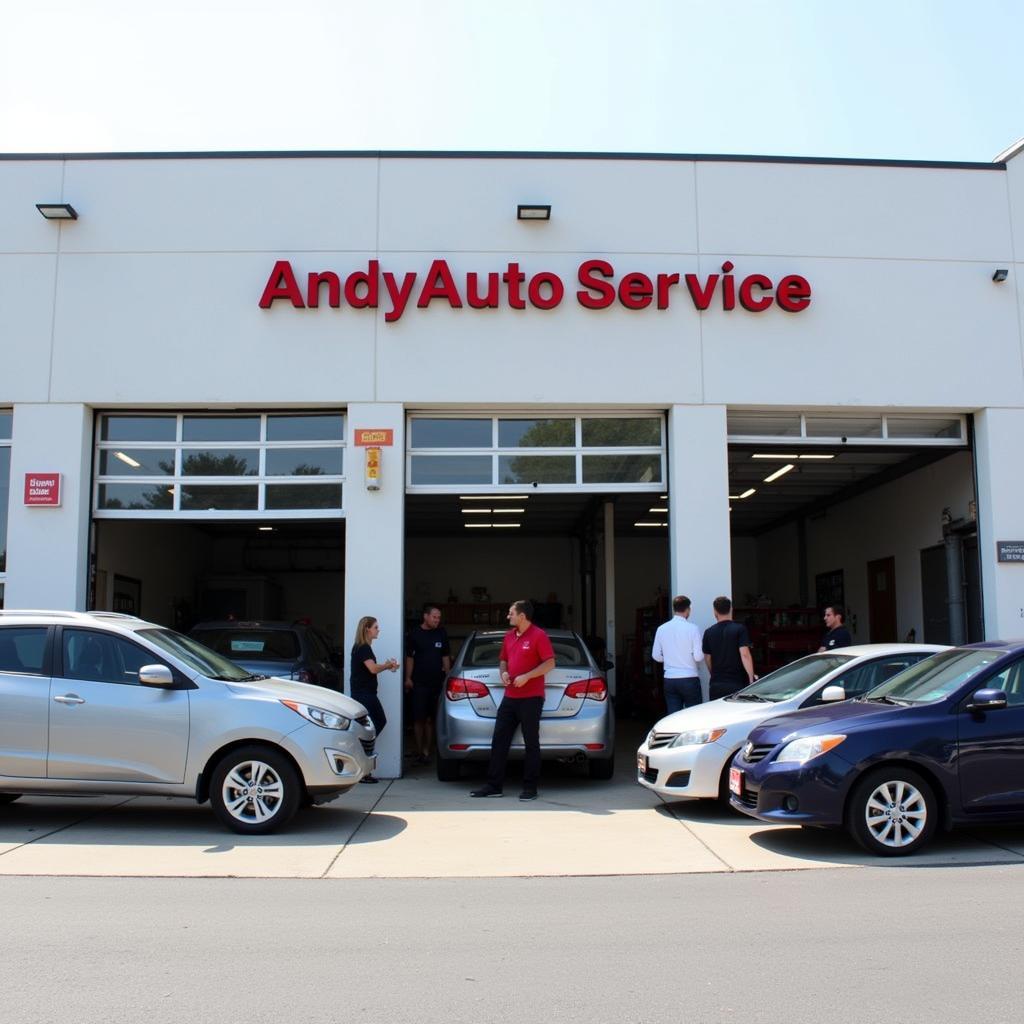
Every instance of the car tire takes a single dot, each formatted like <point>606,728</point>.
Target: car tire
<point>448,769</point>
<point>892,812</point>
<point>8,798</point>
<point>602,768</point>
<point>255,790</point>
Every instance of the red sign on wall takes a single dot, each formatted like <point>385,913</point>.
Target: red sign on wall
<point>375,437</point>
<point>42,489</point>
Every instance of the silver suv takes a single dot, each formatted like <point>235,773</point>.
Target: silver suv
<point>95,702</point>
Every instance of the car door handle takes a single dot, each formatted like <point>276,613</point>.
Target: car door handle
<point>70,698</point>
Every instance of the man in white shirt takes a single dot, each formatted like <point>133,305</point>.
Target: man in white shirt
<point>677,645</point>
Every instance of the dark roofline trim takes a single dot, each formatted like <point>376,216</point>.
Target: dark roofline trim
<point>400,154</point>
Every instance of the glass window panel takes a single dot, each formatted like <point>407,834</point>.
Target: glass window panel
<point>536,433</point>
<point>6,419</point>
<point>451,469</point>
<point>221,428</point>
<point>924,426</point>
<point>223,497</point>
<point>616,433</point>
<point>844,426</point>
<point>5,495</point>
<point>304,461</point>
<point>220,462</point>
<point>540,469</point>
<point>303,496</point>
<point>306,428</point>
<point>136,496</point>
<point>139,428</point>
<point>137,462</point>
<point>763,424</point>
<point>621,469</point>
<point>438,433</point>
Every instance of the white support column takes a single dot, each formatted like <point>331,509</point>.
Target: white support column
<point>48,548</point>
<point>998,434</point>
<point>374,562</point>
<point>698,518</point>
<point>609,589</point>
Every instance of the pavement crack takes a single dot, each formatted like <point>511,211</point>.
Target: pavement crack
<point>355,831</point>
<point>682,821</point>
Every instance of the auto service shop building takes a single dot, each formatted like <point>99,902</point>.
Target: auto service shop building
<point>329,385</point>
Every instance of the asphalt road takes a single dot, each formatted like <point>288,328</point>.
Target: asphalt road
<point>894,943</point>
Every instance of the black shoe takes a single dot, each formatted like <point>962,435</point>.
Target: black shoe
<point>369,778</point>
<point>528,794</point>
<point>486,790</point>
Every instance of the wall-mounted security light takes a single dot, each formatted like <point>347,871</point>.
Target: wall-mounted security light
<point>1000,274</point>
<point>533,211</point>
<point>57,211</point>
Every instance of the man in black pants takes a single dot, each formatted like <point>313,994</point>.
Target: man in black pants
<point>727,652</point>
<point>428,658</point>
<point>526,658</point>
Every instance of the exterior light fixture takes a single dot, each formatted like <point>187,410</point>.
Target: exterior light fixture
<point>1000,274</point>
<point>533,211</point>
<point>57,211</point>
<point>779,472</point>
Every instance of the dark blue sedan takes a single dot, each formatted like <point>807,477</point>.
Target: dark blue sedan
<point>942,742</point>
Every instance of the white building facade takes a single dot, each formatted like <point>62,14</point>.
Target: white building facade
<point>628,356</point>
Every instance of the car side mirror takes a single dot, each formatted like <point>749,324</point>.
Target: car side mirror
<point>987,700</point>
<point>156,675</point>
<point>831,694</point>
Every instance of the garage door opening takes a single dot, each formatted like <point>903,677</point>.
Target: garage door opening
<point>849,511</point>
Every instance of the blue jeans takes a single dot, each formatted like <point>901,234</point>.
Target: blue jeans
<point>682,693</point>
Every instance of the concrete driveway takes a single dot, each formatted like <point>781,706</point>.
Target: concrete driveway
<point>418,827</point>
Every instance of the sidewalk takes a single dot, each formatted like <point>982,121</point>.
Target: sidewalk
<point>419,827</point>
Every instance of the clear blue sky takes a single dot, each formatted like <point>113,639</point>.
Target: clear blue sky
<point>903,79</point>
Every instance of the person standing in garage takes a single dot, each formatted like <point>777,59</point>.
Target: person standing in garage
<point>677,646</point>
<point>838,635</point>
<point>726,647</point>
<point>363,675</point>
<point>526,658</point>
<point>428,658</point>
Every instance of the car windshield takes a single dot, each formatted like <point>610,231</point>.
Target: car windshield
<point>791,679</point>
<point>484,652</point>
<point>252,644</point>
<point>935,677</point>
<point>195,655</point>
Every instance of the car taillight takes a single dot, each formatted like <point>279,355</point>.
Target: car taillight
<point>463,689</point>
<point>587,689</point>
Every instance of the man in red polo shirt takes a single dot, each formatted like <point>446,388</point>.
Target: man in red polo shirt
<point>526,658</point>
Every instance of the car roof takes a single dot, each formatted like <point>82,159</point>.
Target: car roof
<point>1010,646</point>
<point>880,650</point>
<point>498,634</point>
<point>249,624</point>
<point>50,615</point>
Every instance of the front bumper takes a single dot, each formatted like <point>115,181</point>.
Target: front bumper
<point>330,760</point>
<point>791,794</point>
<point>674,772</point>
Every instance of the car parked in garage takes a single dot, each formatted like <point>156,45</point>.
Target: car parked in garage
<point>576,723</point>
<point>100,703</point>
<point>687,753</point>
<point>942,743</point>
<point>287,650</point>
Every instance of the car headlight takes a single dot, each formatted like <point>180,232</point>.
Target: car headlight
<point>318,716</point>
<point>696,737</point>
<point>807,748</point>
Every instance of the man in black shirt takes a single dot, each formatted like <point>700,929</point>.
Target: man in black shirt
<point>428,658</point>
<point>838,635</point>
<point>727,654</point>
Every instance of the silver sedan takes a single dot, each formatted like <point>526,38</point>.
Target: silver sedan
<point>577,721</point>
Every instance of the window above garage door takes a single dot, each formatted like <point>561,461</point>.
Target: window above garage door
<point>553,452</point>
<point>206,466</point>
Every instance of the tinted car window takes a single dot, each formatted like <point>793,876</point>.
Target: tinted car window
<point>1011,682</point>
<point>789,680</point>
<point>22,649</point>
<point>863,678</point>
<point>936,677</point>
<point>103,658</point>
<point>484,652</point>
<point>252,644</point>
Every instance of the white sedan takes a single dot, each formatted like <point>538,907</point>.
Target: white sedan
<point>687,753</point>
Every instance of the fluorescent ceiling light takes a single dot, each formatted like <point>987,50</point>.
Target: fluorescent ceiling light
<point>506,526</point>
<point>649,524</point>
<point>749,491</point>
<point>493,497</point>
<point>657,510</point>
<point>127,460</point>
<point>476,511</point>
<point>779,472</point>
<point>817,456</point>
<point>506,511</point>
<point>733,497</point>
<point>478,526</point>
<point>777,458</point>
<point>265,529</point>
